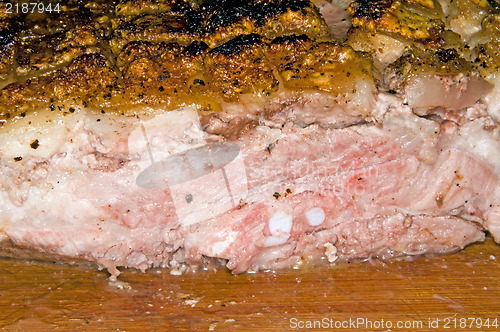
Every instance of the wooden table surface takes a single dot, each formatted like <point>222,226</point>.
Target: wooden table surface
<point>464,285</point>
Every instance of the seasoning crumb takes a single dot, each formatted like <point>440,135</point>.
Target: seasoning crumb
<point>35,144</point>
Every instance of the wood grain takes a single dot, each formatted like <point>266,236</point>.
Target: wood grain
<point>43,296</point>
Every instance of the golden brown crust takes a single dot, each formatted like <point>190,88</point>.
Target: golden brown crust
<point>171,74</point>
<point>84,81</point>
<point>141,7</point>
<point>415,61</point>
<point>163,73</point>
<point>8,42</point>
<point>8,45</point>
<point>165,27</point>
<point>325,66</point>
<point>223,20</point>
<point>50,40</point>
<point>488,53</point>
<point>240,67</point>
<point>397,17</point>
<point>117,55</point>
<point>127,55</point>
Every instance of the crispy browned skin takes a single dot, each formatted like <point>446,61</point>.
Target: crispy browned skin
<point>82,82</point>
<point>137,7</point>
<point>414,61</point>
<point>226,19</point>
<point>50,40</point>
<point>214,22</point>
<point>325,66</point>
<point>163,27</point>
<point>117,55</point>
<point>240,66</point>
<point>8,42</point>
<point>169,52</point>
<point>488,54</point>
<point>46,46</point>
<point>399,17</point>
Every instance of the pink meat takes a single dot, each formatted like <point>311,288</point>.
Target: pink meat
<point>313,193</point>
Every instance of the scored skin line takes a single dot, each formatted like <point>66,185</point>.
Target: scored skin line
<point>228,186</point>
<point>147,143</point>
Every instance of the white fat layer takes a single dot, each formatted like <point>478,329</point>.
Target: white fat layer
<point>280,224</point>
<point>227,238</point>
<point>39,134</point>
<point>315,216</point>
<point>271,241</point>
<point>492,99</point>
<point>363,97</point>
<point>422,137</point>
<point>269,135</point>
<point>166,134</point>
<point>219,247</point>
<point>479,142</point>
<point>413,134</point>
<point>453,93</point>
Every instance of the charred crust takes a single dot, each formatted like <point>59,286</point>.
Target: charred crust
<point>237,45</point>
<point>173,24</point>
<point>494,4</point>
<point>399,18</point>
<point>370,9</point>
<point>447,55</point>
<point>163,27</point>
<point>138,7</point>
<point>89,61</point>
<point>196,48</point>
<point>228,12</point>
<point>35,144</point>
<point>7,37</point>
<point>215,51</point>
<point>290,39</point>
<point>194,22</point>
<point>240,67</point>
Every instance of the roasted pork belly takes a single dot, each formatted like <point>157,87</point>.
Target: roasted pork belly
<point>182,133</point>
